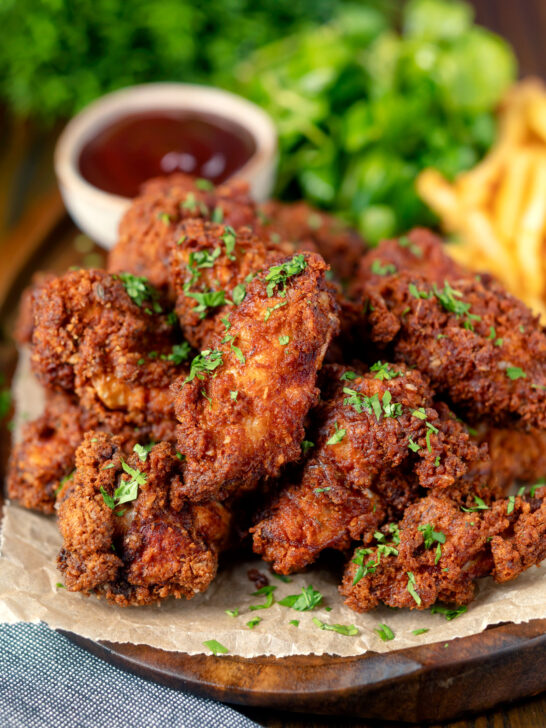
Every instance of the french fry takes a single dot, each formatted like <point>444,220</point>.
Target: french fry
<point>498,209</point>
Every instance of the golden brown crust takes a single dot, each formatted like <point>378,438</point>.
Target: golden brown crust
<point>270,354</point>
<point>504,541</point>
<point>143,550</point>
<point>149,228</point>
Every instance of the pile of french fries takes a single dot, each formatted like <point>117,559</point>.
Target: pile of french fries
<point>497,210</point>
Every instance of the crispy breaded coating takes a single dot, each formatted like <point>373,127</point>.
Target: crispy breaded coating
<point>379,436</point>
<point>480,347</point>
<point>242,408</point>
<point>149,227</point>
<point>439,551</point>
<point>310,229</point>
<point>45,454</point>
<point>211,266</point>
<point>146,548</point>
<point>420,251</point>
<point>116,351</point>
<point>25,318</point>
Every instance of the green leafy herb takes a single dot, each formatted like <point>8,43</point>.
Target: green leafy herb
<point>448,613</point>
<point>179,353</point>
<point>430,536</point>
<point>216,647</point>
<point>348,376</point>
<point>413,446</point>
<point>294,622</point>
<point>282,577</point>
<point>306,445</point>
<point>204,184</point>
<point>278,275</point>
<point>142,452</point>
<point>205,362</point>
<point>217,215</point>
<point>140,291</point>
<point>511,504</point>
<point>382,270</point>
<point>337,436</point>
<point>384,371</point>
<point>390,408</point>
<point>232,612</point>
<point>412,587</point>
<point>283,340</point>
<point>60,586</point>
<point>268,591</point>
<point>384,632</point>
<point>308,599</point>
<point>229,239</point>
<point>253,622</point>
<point>238,294</point>
<point>417,632</point>
<point>515,373</point>
<point>322,490</point>
<point>233,395</point>
<point>349,630</point>
<point>206,300</point>
<point>270,310</point>
<point>420,413</point>
<point>480,506</point>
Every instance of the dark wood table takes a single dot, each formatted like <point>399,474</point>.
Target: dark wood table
<point>30,205</point>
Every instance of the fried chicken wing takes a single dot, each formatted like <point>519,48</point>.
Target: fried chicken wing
<point>310,229</point>
<point>478,345</point>
<point>211,266</point>
<point>439,551</point>
<point>105,338</point>
<point>126,534</point>
<point>379,436</point>
<point>148,229</point>
<point>241,410</point>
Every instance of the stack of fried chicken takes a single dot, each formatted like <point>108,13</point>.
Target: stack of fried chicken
<point>244,371</point>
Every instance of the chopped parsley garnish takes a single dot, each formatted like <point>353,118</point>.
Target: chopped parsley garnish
<point>450,300</point>
<point>269,311</point>
<point>282,577</point>
<point>448,613</point>
<point>206,300</point>
<point>232,612</point>
<point>382,270</point>
<point>216,647</point>
<point>411,587</point>
<point>383,371</point>
<point>278,275</point>
<point>416,293</point>
<point>229,241</point>
<point>164,217</point>
<point>413,446</point>
<point>217,214</point>
<point>308,599</point>
<point>142,451</point>
<point>395,530</point>
<point>420,413</point>
<point>323,490</point>
<point>349,630</point>
<point>233,395</point>
<point>179,353</point>
<point>363,569</point>
<point>348,376</point>
<point>417,632</point>
<point>405,242</point>
<point>269,598</point>
<point>207,361</point>
<point>480,506</point>
<point>235,349</point>
<point>60,586</point>
<point>65,479</point>
<point>238,294</point>
<point>384,632</point>
<point>284,340</point>
<point>430,536</point>
<point>204,184</point>
<point>306,445</point>
<point>209,399</point>
<point>515,373</point>
<point>253,622</point>
<point>294,622</point>
<point>390,408</point>
<point>511,504</point>
<point>127,490</point>
<point>337,436</point>
<point>140,291</point>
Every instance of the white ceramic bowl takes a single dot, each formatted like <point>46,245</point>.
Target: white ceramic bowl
<point>97,212</point>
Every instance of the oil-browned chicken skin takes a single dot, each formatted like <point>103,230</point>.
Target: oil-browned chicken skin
<point>143,550</point>
<point>478,345</point>
<point>439,551</point>
<point>378,437</point>
<point>241,411</point>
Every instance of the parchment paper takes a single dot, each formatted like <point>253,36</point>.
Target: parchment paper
<point>28,593</point>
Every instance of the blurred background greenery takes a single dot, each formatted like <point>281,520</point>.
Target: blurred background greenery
<point>365,94</point>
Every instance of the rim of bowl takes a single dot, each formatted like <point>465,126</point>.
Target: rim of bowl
<point>162,96</point>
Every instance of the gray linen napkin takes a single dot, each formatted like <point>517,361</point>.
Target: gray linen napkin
<point>47,682</point>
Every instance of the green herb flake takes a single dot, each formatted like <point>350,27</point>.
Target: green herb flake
<point>515,373</point>
<point>216,647</point>
<point>294,622</point>
<point>204,184</point>
<point>430,536</point>
<point>268,592</point>
<point>232,612</point>
<point>60,586</point>
<point>306,445</point>
<point>511,504</point>
<point>322,490</point>
<point>448,613</point>
<point>278,275</point>
<point>282,577</point>
<point>140,291</point>
<point>270,310</point>
<point>253,622</point>
<point>337,436</point>
<point>480,506</point>
<point>179,353</point>
<point>384,371</point>
<point>412,588</point>
<point>348,376</point>
<point>205,362</point>
<point>233,395</point>
<point>417,632</point>
<point>308,599</point>
<point>217,214</point>
<point>238,294</point>
<point>413,446</point>
<point>349,630</point>
<point>141,451</point>
<point>383,270</point>
<point>384,632</point>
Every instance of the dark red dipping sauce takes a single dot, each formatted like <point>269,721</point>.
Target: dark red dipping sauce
<point>136,147</point>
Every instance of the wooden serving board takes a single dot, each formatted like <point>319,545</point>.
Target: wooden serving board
<point>428,683</point>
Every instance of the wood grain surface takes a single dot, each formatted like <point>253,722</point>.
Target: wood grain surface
<point>31,211</point>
